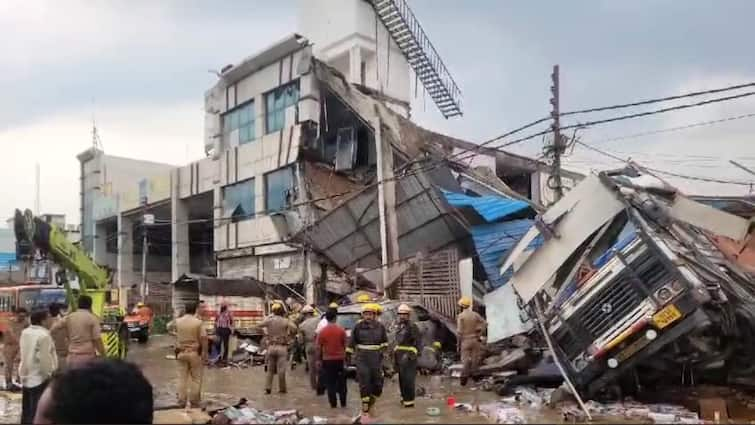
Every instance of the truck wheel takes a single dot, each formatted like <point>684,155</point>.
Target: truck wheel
<point>143,337</point>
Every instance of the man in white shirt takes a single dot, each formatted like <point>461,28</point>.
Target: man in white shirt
<point>38,362</point>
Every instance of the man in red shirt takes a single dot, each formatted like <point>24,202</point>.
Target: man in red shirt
<point>331,341</point>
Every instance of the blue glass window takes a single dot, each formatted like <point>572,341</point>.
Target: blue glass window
<point>238,200</point>
<point>279,189</point>
<point>276,103</point>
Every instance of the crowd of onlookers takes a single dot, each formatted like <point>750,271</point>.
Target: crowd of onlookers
<point>62,372</point>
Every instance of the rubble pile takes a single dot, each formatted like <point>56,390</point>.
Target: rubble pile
<point>527,401</point>
<point>242,413</point>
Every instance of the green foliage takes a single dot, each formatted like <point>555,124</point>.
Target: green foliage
<point>160,325</point>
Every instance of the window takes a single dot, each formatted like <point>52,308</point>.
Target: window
<point>240,119</point>
<point>276,103</point>
<point>7,302</point>
<point>238,200</point>
<point>279,192</point>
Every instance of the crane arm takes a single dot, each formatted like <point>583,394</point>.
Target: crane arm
<point>34,232</point>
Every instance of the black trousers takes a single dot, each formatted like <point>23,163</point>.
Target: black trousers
<point>334,375</point>
<point>225,336</point>
<point>406,363</point>
<point>29,399</point>
<point>370,377</point>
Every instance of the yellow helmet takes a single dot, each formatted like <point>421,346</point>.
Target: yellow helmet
<point>379,308</point>
<point>140,304</point>
<point>333,305</point>
<point>363,298</point>
<point>277,306</point>
<point>437,345</point>
<point>465,302</point>
<point>370,307</point>
<point>404,309</point>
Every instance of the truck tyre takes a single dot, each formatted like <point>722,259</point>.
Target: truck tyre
<point>143,337</point>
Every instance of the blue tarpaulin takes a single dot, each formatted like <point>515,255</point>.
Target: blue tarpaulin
<point>494,241</point>
<point>491,208</point>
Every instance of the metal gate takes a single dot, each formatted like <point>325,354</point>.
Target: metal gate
<point>433,282</point>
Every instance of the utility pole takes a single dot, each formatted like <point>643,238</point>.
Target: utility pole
<point>557,146</point>
<point>142,289</point>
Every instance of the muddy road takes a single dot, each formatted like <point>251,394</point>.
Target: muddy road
<point>230,384</point>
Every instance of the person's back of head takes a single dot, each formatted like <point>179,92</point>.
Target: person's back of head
<point>38,317</point>
<point>331,316</point>
<point>191,308</point>
<point>54,309</point>
<point>85,302</point>
<point>98,392</point>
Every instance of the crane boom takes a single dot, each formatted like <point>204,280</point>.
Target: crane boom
<point>33,232</point>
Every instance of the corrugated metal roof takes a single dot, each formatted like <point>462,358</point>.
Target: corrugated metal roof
<point>349,235</point>
<point>491,208</point>
<point>494,241</point>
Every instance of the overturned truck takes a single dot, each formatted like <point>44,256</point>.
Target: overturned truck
<point>630,289</point>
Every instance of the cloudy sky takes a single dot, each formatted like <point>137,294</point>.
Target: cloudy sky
<point>140,69</point>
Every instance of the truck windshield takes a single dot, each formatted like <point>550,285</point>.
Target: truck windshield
<point>33,299</point>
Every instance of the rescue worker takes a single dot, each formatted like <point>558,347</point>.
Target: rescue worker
<point>429,360</point>
<point>11,339</point>
<point>279,331</point>
<point>297,349</point>
<point>405,354</point>
<point>470,326</point>
<point>388,361</point>
<point>191,354</point>
<point>59,337</point>
<point>368,341</point>
<point>84,335</point>
<point>306,338</point>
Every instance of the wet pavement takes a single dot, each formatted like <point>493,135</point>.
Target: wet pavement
<point>228,385</point>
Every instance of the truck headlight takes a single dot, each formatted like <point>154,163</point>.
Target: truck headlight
<point>651,334</point>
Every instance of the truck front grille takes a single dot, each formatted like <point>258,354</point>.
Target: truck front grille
<point>610,305</point>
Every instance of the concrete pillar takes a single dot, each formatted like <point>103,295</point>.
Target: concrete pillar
<point>355,65</point>
<point>219,240</point>
<point>125,261</point>
<point>99,245</point>
<point>179,222</point>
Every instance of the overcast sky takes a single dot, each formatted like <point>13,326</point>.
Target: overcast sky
<point>140,68</point>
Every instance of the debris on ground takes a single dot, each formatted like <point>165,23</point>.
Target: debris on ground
<point>507,360</point>
<point>242,413</point>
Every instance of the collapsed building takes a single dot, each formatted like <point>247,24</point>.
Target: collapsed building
<point>630,287</point>
<point>315,180</point>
